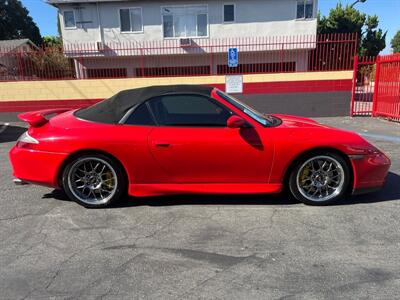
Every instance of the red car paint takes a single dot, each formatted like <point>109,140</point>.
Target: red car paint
<point>198,160</point>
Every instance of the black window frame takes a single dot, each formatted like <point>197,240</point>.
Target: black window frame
<point>132,110</point>
<point>234,13</point>
<point>157,124</point>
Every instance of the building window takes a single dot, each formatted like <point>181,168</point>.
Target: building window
<point>173,71</point>
<point>131,19</point>
<point>69,19</point>
<point>185,21</point>
<point>229,13</point>
<point>106,73</point>
<point>305,9</point>
<point>257,68</point>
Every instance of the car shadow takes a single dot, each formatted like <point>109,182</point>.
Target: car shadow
<point>10,133</point>
<point>390,192</point>
<point>190,199</point>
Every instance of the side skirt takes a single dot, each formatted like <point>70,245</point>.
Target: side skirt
<point>146,190</point>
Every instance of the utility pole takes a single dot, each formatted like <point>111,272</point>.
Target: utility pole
<point>355,2</point>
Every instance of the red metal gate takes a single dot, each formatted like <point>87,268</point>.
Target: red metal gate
<point>363,86</point>
<point>376,87</point>
<point>387,87</point>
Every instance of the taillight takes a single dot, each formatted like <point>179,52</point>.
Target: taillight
<point>26,141</point>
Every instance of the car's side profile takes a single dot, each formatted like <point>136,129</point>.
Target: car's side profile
<point>191,139</point>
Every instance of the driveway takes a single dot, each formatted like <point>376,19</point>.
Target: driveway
<point>207,247</point>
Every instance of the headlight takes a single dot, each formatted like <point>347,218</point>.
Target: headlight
<point>27,139</point>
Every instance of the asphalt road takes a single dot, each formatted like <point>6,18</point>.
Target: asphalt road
<point>202,247</point>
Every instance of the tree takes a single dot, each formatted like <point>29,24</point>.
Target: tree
<point>342,20</point>
<point>395,43</point>
<point>15,22</point>
<point>50,63</point>
<point>373,40</point>
<point>52,41</point>
<point>346,19</point>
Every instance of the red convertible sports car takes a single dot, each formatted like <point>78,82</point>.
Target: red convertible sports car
<point>190,139</point>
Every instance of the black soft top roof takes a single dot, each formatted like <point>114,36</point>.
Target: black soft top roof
<point>112,110</point>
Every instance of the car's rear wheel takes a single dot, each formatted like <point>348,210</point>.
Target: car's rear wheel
<point>319,179</point>
<point>93,180</point>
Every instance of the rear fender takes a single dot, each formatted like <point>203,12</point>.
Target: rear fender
<point>81,152</point>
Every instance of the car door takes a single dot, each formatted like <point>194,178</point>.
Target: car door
<point>193,144</point>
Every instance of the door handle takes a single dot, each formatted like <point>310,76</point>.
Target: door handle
<point>162,145</point>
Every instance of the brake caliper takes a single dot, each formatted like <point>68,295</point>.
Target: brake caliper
<point>305,174</point>
<point>109,181</point>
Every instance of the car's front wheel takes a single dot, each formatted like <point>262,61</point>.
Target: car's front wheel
<point>319,179</point>
<point>93,180</point>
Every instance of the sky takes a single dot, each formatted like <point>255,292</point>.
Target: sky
<point>388,12</point>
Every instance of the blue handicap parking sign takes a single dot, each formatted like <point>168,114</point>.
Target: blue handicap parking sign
<point>233,59</point>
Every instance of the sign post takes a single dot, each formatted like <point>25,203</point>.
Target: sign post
<point>234,84</point>
<point>233,57</point>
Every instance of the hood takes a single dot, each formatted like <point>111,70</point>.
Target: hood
<point>303,129</point>
<point>295,121</point>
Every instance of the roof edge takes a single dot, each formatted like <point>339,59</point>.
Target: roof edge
<point>58,2</point>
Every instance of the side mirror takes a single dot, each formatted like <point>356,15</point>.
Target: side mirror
<point>235,122</point>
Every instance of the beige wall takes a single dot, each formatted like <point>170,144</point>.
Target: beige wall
<point>103,88</point>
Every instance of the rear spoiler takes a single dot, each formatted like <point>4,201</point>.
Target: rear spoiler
<point>38,118</point>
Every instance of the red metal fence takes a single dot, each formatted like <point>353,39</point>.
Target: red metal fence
<point>196,57</point>
<point>376,87</point>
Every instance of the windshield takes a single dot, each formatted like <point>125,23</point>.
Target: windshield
<point>263,119</point>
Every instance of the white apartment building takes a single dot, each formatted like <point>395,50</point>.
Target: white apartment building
<point>118,29</point>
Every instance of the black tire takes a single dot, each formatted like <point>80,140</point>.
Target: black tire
<point>114,190</point>
<point>317,179</point>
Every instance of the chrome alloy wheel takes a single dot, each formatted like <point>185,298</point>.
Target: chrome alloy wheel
<point>320,178</point>
<point>92,180</point>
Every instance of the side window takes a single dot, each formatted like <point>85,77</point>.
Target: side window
<point>140,116</point>
<point>189,110</point>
